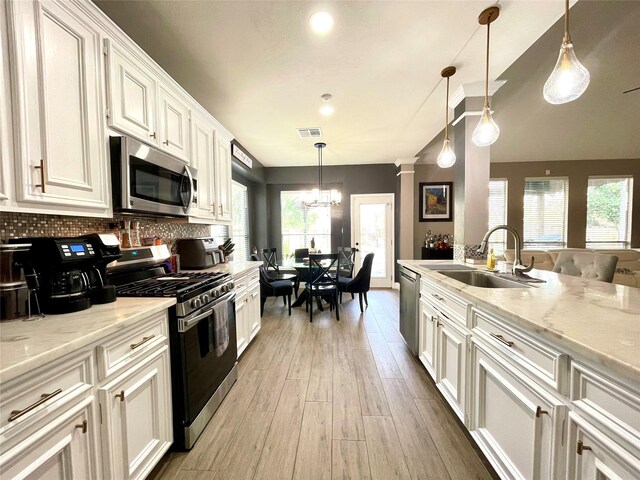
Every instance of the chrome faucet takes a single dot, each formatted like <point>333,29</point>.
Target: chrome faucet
<point>518,268</point>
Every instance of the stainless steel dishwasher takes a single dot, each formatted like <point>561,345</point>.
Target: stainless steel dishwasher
<point>409,301</point>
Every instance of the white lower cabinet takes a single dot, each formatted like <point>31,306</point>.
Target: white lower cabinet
<point>451,363</point>
<point>428,336</point>
<point>253,311</point>
<point>62,448</point>
<point>247,308</point>
<point>137,419</point>
<point>242,330</point>
<point>517,423</point>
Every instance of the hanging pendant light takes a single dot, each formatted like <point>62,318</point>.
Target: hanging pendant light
<point>569,78</point>
<point>447,156</point>
<point>315,200</point>
<point>487,130</point>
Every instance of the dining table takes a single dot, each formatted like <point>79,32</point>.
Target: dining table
<point>301,267</point>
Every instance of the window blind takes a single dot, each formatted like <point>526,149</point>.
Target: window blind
<point>498,214</point>
<point>240,228</point>
<point>545,212</point>
<point>609,203</point>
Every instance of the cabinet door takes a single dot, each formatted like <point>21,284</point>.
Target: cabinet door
<point>223,179</point>
<point>202,134</point>
<point>451,364</point>
<point>64,448</point>
<point>595,456</point>
<point>132,95</point>
<point>137,428</point>
<point>254,310</point>
<point>427,337</point>
<point>59,110</point>
<point>516,422</point>
<point>242,322</point>
<point>173,124</point>
<point>6,146</point>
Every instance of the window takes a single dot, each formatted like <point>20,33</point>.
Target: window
<point>498,214</point>
<point>300,224</point>
<point>545,212</point>
<point>240,229</point>
<point>609,212</point>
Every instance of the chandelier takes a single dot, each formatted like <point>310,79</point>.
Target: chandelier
<point>318,197</point>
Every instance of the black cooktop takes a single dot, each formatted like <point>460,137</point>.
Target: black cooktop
<point>172,284</point>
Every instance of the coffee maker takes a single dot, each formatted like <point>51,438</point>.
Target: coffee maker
<point>67,272</point>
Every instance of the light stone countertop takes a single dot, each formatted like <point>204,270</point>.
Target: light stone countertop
<point>27,345</point>
<point>598,320</point>
<point>234,268</point>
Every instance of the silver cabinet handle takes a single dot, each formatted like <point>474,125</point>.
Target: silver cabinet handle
<point>42,175</point>
<point>581,447</point>
<point>141,342</point>
<point>83,426</point>
<point>166,142</point>
<point>120,395</point>
<point>15,414</point>
<point>501,339</point>
<point>153,135</point>
<point>437,297</point>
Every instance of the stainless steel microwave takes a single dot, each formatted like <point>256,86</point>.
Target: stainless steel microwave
<point>147,180</point>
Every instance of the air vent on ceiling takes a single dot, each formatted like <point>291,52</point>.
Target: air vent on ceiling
<point>309,132</point>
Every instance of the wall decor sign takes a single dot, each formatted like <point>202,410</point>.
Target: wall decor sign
<point>436,202</point>
<point>240,155</point>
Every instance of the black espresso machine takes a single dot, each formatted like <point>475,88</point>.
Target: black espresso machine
<point>67,273</point>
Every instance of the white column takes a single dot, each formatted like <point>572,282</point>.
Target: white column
<point>407,210</point>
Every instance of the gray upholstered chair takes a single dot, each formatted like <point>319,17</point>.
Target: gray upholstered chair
<point>594,266</point>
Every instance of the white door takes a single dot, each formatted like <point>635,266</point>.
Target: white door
<point>223,178</point>
<point>173,124</point>
<point>59,110</point>
<point>202,160</point>
<point>138,426</point>
<point>372,232</point>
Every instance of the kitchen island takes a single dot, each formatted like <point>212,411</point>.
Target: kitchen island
<point>545,376</point>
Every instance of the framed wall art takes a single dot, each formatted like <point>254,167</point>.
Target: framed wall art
<point>436,202</point>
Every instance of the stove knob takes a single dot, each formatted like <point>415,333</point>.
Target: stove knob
<point>216,293</point>
<point>196,303</point>
<point>205,299</point>
<point>231,285</point>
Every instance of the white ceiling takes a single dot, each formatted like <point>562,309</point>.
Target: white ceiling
<point>258,68</point>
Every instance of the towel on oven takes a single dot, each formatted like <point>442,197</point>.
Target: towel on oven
<point>219,328</point>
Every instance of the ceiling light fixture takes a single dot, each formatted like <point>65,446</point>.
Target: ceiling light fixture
<point>569,78</point>
<point>321,22</point>
<point>317,197</point>
<point>326,109</point>
<point>487,130</point>
<point>447,156</point>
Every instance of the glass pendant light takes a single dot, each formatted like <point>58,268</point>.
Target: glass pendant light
<point>487,130</point>
<point>569,78</point>
<point>447,156</point>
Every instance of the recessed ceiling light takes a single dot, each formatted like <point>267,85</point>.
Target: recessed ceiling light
<point>321,22</point>
<point>326,110</point>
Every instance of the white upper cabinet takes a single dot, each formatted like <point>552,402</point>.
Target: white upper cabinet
<point>202,135</point>
<point>132,95</point>
<point>6,146</point>
<point>173,124</point>
<point>223,177</point>
<point>57,81</point>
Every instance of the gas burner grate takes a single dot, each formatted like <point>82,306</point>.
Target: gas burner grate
<point>170,285</point>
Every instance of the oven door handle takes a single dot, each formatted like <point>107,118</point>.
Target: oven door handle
<point>188,323</point>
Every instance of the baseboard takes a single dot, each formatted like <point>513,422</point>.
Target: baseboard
<point>396,285</point>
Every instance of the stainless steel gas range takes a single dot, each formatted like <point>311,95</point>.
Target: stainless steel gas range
<point>201,375</point>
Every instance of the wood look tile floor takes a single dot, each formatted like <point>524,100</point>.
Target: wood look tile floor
<point>331,400</point>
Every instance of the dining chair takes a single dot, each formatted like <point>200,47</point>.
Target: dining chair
<point>321,283</point>
<point>595,266</point>
<point>274,288</point>
<point>301,253</point>
<point>270,262</point>
<point>361,283</point>
<point>254,257</point>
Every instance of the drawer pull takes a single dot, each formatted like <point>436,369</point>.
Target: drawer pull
<point>15,414</point>
<point>433,319</point>
<point>83,426</point>
<point>166,142</point>
<point>501,339</point>
<point>40,167</point>
<point>581,447</point>
<point>120,395</point>
<point>437,297</point>
<point>153,135</point>
<point>141,342</point>
<point>540,411</point>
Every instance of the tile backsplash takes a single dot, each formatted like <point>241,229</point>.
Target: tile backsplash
<point>16,225</point>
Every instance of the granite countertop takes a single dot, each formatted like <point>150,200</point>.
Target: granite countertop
<point>234,268</point>
<point>27,345</point>
<point>598,320</point>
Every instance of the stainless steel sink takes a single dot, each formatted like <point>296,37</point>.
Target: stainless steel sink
<point>483,280</point>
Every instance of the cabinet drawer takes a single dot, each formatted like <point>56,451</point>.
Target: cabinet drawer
<point>546,363</point>
<point>122,350</point>
<point>445,301</point>
<point>37,394</point>
<point>606,401</point>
